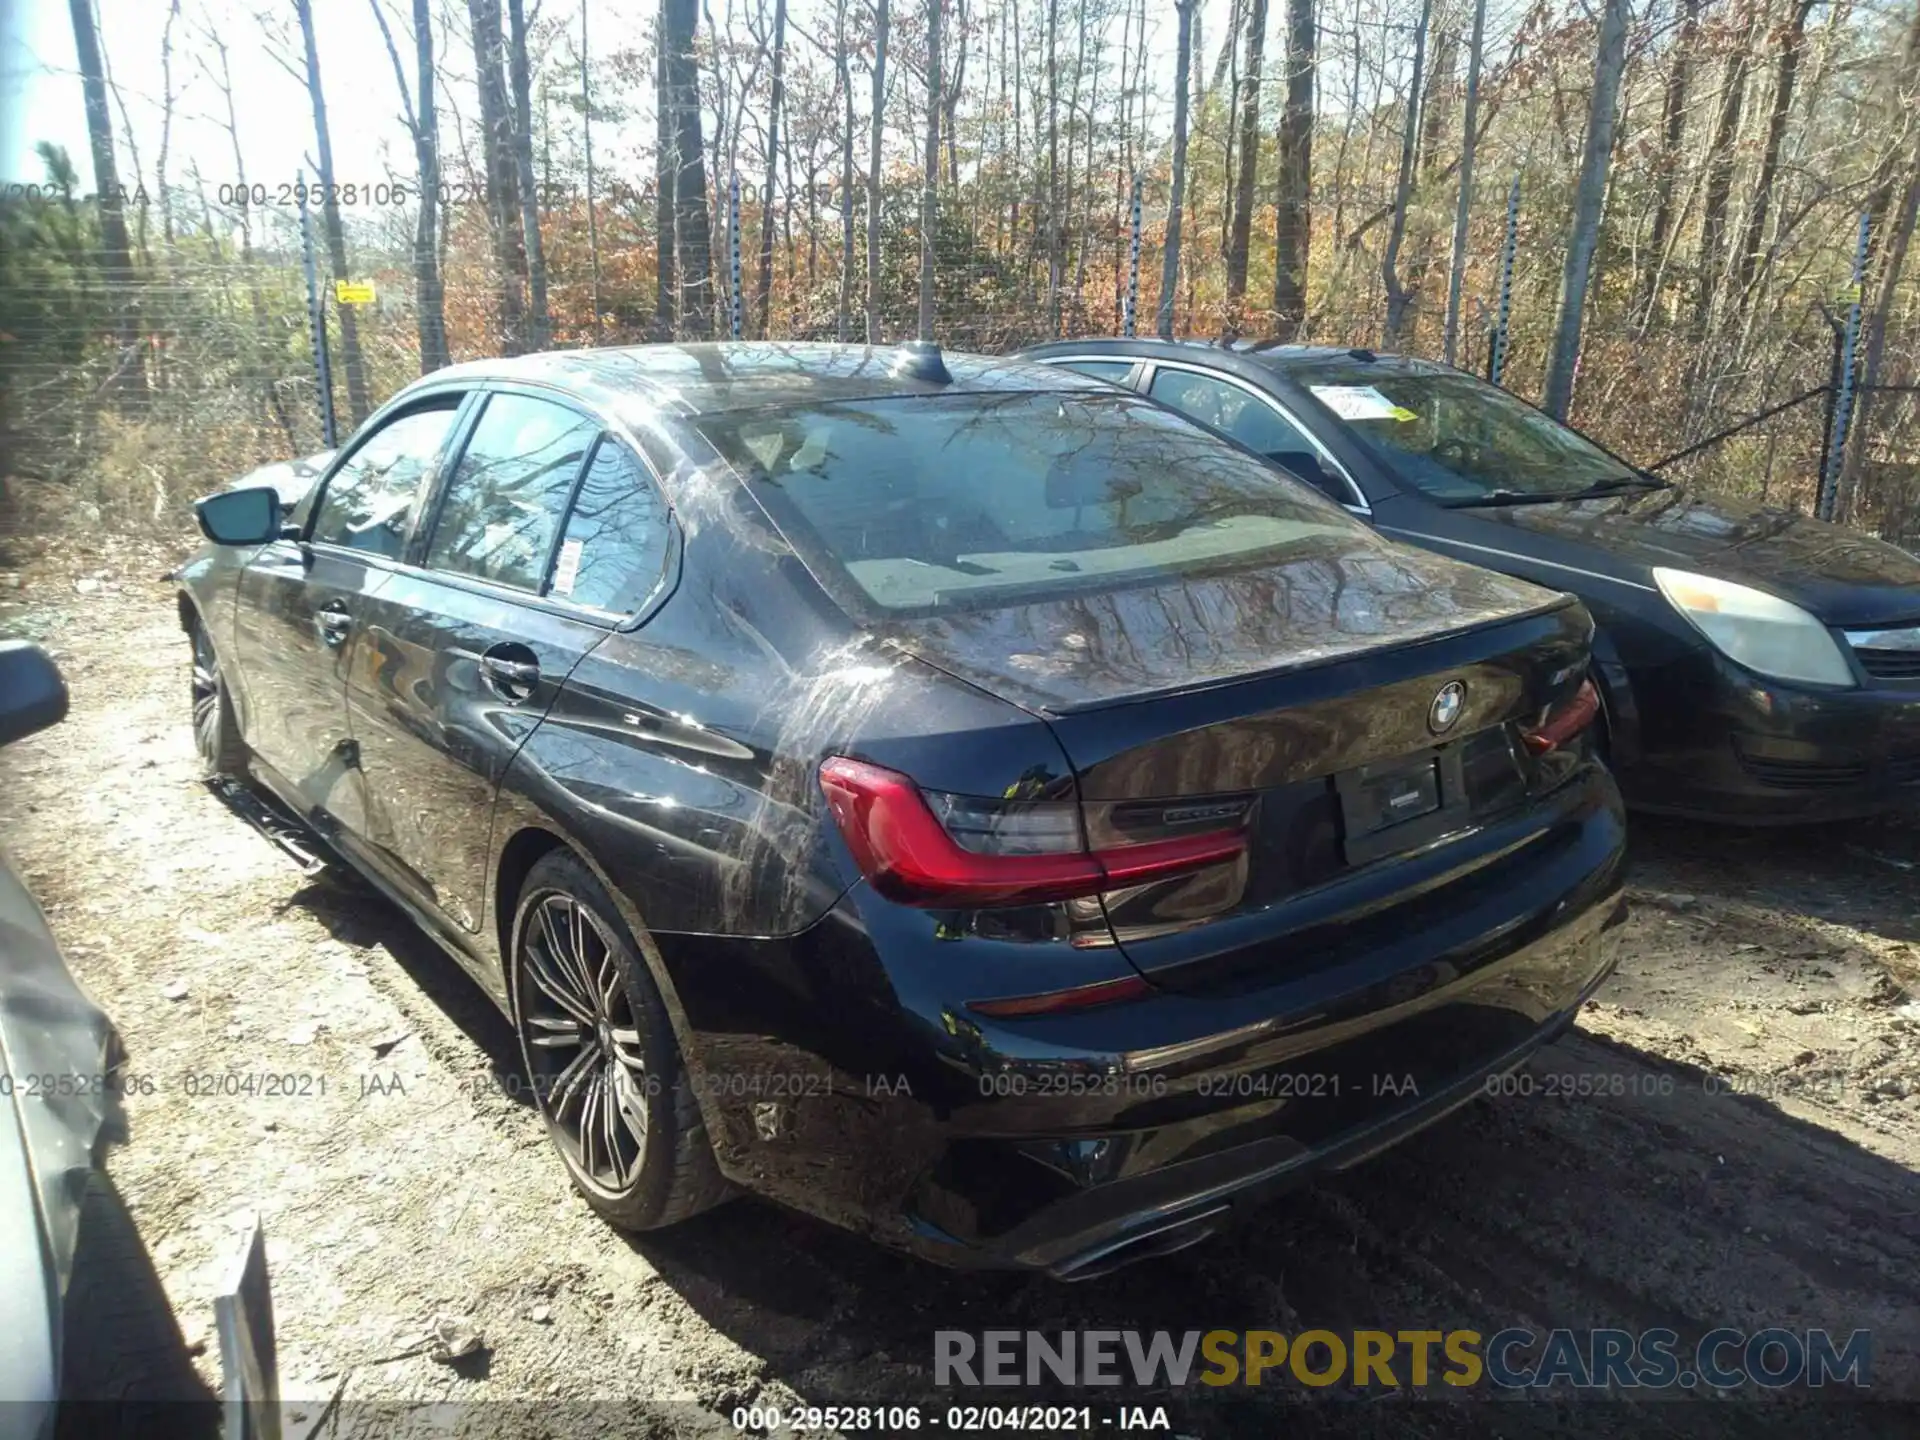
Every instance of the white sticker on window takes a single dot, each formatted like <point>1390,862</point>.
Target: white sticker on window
<point>567,571</point>
<point>1359,402</point>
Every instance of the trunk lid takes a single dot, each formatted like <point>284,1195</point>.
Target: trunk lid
<point>1343,710</point>
<point>1344,592</point>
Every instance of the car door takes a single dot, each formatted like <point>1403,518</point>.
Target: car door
<point>1258,422</point>
<point>299,600</point>
<point>464,652</point>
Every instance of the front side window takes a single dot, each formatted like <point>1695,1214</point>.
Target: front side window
<point>504,502</point>
<point>1231,410</point>
<point>964,501</point>
<point>370,502</point>
<point>1256,424</point>
<point>615,545</point>
<point>1459,440</point>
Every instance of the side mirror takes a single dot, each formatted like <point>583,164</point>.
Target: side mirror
<point>32,694</point>
<point>240,517</point>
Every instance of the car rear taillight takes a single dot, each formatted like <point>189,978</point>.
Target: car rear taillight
<point>933,849</point>
<point>1564,721</point>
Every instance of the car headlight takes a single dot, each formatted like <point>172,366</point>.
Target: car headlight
<point>1766,634</point>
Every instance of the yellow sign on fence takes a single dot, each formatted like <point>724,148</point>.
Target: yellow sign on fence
<point>353,292</point>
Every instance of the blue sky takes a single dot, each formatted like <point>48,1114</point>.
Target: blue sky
<point>40,92</point>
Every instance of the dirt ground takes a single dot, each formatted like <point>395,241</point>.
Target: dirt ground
<point>412,1189</point>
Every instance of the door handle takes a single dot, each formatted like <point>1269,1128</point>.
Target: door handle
<point>512,680</point>
<point>333,622</point>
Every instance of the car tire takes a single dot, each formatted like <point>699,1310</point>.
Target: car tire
<point>216,733</point>
<point>618,1104</point>
<point>124,1368</point>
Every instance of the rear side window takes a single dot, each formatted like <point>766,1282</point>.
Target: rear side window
<point>1113,371</point>
<point>370,502</point>
<point>504,503</point>
<point>969,500</point>
<point>615,545</point>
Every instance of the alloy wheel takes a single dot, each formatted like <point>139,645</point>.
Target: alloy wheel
<point>206,698</point>
<point>582,1045</point>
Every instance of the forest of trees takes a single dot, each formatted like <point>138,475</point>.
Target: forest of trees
<point>1691,177</point>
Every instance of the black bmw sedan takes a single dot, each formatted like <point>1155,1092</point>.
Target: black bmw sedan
<point>1754,665</point>
<point>950,796</point>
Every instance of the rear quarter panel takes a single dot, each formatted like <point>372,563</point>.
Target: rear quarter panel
<point>683,755</point>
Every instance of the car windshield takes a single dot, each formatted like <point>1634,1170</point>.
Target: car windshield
<point>964,501</point>
<point>1459,440</point>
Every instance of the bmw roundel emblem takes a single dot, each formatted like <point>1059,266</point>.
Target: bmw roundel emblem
<point>1447,705</point>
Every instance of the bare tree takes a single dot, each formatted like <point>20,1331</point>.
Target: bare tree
<point>693,242</point>
<point>1713,216</point>
<point>764,299</point>
<point>520,75</point>
<point>956,77</point>
<point>666,166</point>
<point>1673,129</point>
<point>223,82</point>
<point>359,404</point>
<point>503,198</point>
<point>423,125</point>
<point>1241,231</point>
<point>930,175</point>
<point>1399,298</point>
<point>878,123</point>
<point>115,252</point>
<point>1176,195</point>
<point>1055,225</point>
<point>166,122</point>
<point>663,237</point>
<point>1292,216</point>
<point>1891,261</point>
<point>1792,43</point>
<point>131,137</point>
<point>1589,199</point>
<point>1441,63</point>
<point>843,310</point>
<point>1463,207</point>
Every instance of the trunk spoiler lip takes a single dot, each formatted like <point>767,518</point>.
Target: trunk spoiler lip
<point>1556,602</point>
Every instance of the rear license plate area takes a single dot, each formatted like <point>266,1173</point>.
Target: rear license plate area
<point>1396,804</point>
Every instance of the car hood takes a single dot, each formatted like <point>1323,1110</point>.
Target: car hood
<point>1842,576</point>
<point>1343,593</point>
<point>52,1032</point>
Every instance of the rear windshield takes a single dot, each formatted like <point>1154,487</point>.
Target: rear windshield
<point>952,502</point>
<point>1454,438</point>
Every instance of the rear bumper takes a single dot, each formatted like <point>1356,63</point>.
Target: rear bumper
<point>1000,1203</point>
<point>1717,742</point>
<point>1156,1214</point>
<point>846,1076</point>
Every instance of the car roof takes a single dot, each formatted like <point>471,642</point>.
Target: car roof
<point>710,378</point>
<point>1278,358</point>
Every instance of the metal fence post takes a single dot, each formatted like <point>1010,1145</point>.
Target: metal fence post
<point>1843,399</point>
<point>1132,307</point>
<point>733,250</point>
<point>316,318</point>
<point>1497,365</point>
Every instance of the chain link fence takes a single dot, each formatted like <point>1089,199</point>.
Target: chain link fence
<point>140,389</point>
